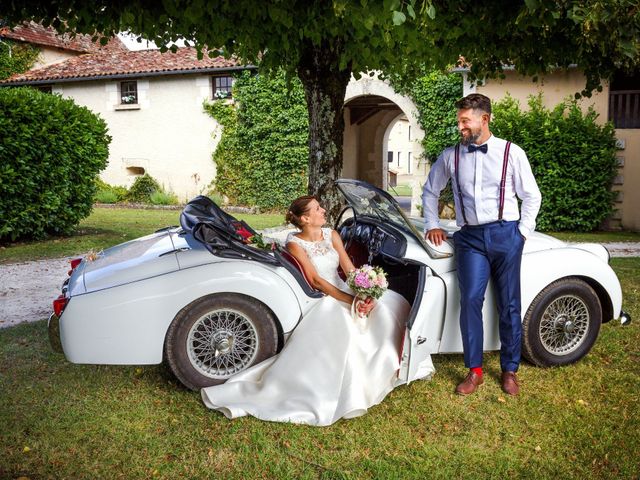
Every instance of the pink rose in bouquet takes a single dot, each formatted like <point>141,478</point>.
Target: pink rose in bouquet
<point>366,281</point>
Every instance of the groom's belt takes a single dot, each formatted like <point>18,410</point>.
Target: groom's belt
<point>497,223</point>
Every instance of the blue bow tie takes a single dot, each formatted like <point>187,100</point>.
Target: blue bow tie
<point>480,148</point>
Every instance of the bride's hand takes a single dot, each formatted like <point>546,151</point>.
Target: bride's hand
<point>365,306</point>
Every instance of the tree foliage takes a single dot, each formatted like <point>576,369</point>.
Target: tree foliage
<point>16,57</point>
<point>572,157</point>
<point>261,158</point>
<point>324,42</point>
<point>51,151</point>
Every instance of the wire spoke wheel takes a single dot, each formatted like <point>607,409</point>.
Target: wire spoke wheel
<point>564,325</point>
<point>217,336</point>
<point>222,343</point>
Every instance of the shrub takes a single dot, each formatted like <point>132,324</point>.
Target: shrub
<point>217,197</point>
<point>142,189</point>
<point>118,191</point>
<point>263,153</point>
<point>51,151</point>
<point>106,196</point>
<point>434,95</point>
<point>572,157</point>
<point>163,198</point>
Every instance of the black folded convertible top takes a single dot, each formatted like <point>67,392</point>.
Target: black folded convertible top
<point>221,233</point>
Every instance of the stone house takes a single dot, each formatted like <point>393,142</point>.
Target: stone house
<point>151,102</point>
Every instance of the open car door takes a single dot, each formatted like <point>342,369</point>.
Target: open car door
<point>425,322</point>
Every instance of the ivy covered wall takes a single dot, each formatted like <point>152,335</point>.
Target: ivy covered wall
<point>262,156</point>
<point>16,57</point>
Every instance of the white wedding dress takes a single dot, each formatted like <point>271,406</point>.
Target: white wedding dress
<point>329,368</point>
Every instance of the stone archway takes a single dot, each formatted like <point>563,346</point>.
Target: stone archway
<point>371,109</point>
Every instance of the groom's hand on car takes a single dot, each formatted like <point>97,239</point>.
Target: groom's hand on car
<point>436,236</point>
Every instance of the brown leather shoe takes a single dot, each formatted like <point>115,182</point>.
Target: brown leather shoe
<point>469,384</point>
<point>510,383</point>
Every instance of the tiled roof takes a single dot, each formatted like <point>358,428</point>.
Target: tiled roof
<point>123,64</point>
<point>34,33</point>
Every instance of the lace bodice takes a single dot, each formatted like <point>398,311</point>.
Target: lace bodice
<point>324,257</point>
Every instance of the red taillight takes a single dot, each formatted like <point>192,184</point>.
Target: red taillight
<point>59,304</point>
<point>74,263</point>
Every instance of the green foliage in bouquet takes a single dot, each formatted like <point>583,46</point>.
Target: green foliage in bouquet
<point>258,241</point>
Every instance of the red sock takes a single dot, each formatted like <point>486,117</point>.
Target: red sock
<point>477,371</point>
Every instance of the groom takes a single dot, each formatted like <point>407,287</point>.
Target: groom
<point>487,174</point>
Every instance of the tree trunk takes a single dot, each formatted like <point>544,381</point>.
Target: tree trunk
<point>325,85</point>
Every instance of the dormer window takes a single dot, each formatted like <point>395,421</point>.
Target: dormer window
<point>222,86</point>
<point>129,93</point>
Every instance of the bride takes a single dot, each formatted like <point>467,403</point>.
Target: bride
<point>329,368</point>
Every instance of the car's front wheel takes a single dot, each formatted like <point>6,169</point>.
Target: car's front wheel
<point>217,336</point>
<point>562,323</point>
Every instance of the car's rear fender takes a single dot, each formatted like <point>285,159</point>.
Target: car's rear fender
<point>127,324</point>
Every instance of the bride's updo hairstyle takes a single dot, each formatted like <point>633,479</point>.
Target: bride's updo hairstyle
<point>298,208</point>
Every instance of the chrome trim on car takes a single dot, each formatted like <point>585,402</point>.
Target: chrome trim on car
<point>53,326</point>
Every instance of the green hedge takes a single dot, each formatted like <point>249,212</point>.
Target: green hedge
<point>263,153</point>
<point>51,151</point>
<point>573,159</point>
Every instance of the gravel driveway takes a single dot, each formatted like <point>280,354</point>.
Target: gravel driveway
<point>28,288</point>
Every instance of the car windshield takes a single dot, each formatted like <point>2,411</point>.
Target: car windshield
<point>367,200</point>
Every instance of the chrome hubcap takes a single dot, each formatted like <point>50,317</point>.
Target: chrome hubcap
<point>564,325</point>
<point>222,343</point>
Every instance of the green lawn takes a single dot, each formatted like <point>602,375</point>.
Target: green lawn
<point>82,421</point>
<point>106,227</point>
<point>597,237</point>
<point>400,190</point>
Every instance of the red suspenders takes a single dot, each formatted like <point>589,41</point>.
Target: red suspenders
<point>503,180</point>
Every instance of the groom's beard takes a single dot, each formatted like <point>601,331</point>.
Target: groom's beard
<point>469,136</point>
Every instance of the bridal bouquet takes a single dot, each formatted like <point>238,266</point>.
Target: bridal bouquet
<point>366,281</point>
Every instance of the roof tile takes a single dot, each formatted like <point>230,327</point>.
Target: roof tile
<point>34,33</point>
<point>126,63</point>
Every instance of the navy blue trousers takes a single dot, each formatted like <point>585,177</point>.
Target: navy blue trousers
<point>493,250</point>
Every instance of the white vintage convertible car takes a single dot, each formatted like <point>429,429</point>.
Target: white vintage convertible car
<point>199,298</point>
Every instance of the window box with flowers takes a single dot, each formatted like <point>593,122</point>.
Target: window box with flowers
<point>128,96</point>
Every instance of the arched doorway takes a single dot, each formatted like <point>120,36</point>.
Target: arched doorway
<point>372,109</point>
